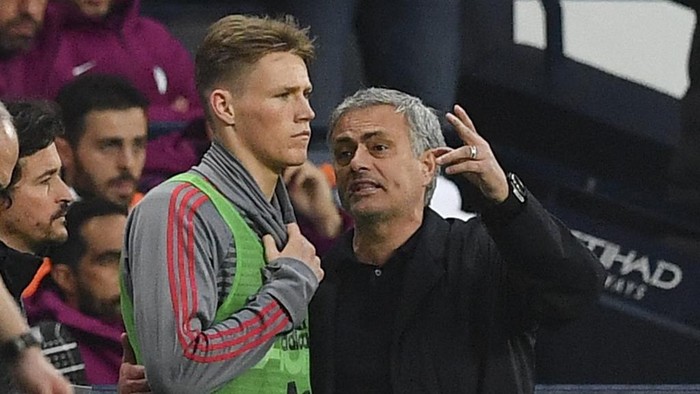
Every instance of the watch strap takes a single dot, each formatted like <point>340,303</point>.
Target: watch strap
<point>11,349</point>
<point>505,211</point>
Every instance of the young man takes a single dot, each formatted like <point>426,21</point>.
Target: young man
<point>79,301</point>
<point>413,303</point>
<point>104,146</point>
<point>32,205</point>
<point>218,274</point>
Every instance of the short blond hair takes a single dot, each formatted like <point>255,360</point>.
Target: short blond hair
<point>236,42</point>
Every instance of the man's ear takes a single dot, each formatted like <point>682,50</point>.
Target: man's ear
<point>221,103</point>
<point>65,279</point>
<point>428,166</point>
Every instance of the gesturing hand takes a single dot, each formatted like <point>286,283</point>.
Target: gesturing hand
<point>475,160</point>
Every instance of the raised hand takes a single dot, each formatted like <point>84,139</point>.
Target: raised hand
<point>475,160</point>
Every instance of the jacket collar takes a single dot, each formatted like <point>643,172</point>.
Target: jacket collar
<point>423,270</point>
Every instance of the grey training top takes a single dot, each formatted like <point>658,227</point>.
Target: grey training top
<point>179,261</point>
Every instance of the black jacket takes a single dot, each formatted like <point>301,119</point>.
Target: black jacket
<point>17,269</point>
<point>467,319</point>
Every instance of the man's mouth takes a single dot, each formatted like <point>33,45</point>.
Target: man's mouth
<point>24,28</point>
<point>303,134</point>
<point>123,185</point>
<point>61,213</point>
<point>363,186</point>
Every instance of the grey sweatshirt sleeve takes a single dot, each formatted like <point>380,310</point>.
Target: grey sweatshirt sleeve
<point>175,245</point>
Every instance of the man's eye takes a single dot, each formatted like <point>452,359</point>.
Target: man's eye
<point>109,146</point>
<point>343,153</point>
<point>343,156</point>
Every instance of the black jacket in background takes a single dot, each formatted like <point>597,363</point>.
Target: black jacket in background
<point>473,296</point>
<point>17,269</point>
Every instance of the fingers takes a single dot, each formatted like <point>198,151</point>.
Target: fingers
<point>128,355</point>
<point>132,380</point>
<point>437,152</point>
<point>462,167</point>
<point>290,173</point>
<point>462,115</point>
<point>297,247</point>
<point>293,229</point>
<point>271,251</point>
<point>464,127</point>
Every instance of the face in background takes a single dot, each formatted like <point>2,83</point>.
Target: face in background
<point>378,175</point>
<point>97,277</point>
<point>9,152</point>
<point>109,157</point>
<point>94,8</point>
<point>36,217</point>
<point>20,20</point>
<point>272,111</point>
<point>92,284</point>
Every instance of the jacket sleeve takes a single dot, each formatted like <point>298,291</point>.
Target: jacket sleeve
<point>175,247</point>
<point>548,273</point>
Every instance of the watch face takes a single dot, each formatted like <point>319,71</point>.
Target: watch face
<point>518,187</point>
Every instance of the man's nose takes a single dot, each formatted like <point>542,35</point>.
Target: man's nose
<point>360,159</point>
<point>64,193</point>
<point>305,112</point>
<point>34,9</point>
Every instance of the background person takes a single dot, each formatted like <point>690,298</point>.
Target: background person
<point>32,206</point>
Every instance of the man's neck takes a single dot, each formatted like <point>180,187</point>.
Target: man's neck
<point>377,238</point>
<point>17,245</point>
<point>265,177</point>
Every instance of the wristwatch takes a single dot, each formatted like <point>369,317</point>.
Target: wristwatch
<point>12,348</point>
<point>509,208</point>
<point>517,189</point>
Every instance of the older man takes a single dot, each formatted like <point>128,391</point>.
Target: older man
<point>413,303</point>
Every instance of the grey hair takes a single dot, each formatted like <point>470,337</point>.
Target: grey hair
<point>423,124</point>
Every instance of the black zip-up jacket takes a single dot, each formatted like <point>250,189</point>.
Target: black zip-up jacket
<point>473,296</point>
